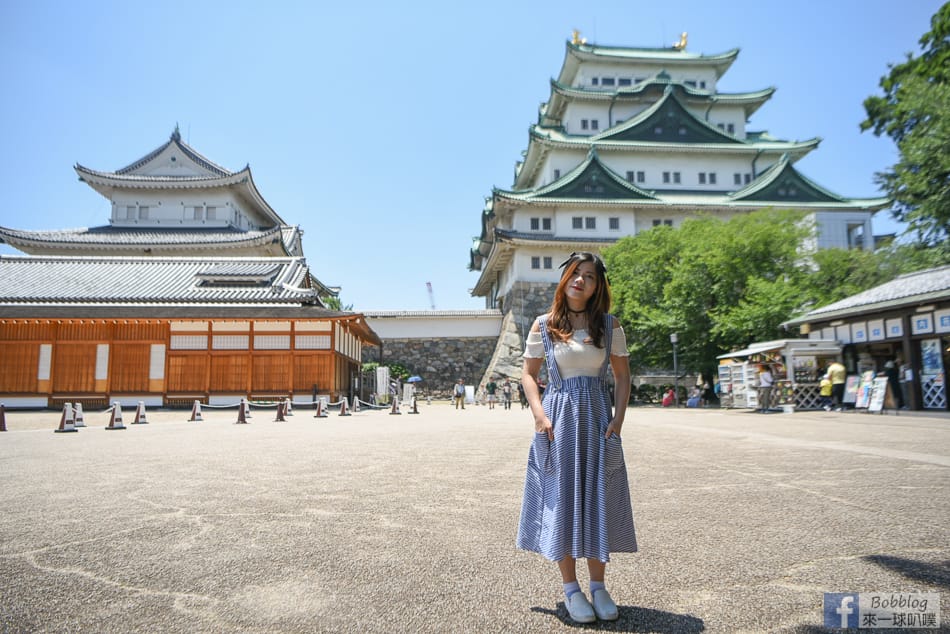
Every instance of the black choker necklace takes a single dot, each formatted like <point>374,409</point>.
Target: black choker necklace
<point>577,312</point>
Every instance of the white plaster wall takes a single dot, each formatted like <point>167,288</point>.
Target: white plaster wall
<point>435,324</point>
<point>176,208</point>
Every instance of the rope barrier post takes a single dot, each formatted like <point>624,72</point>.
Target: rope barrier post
<point>356,403</point>
<point>415,408</point>
<point>140,414</point>
<point>395,409</point>
<point>195,412</point>
<point>242,415</point>
<point>78,419</point>
<point>66,420</point>
<point>288,407</point>
<point>115,418</point>
<point>280,412</point>
<point>3,417</point>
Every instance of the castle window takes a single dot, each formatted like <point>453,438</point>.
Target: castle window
<point>658,130</point>
<point>196,213</point>
<point>535,224</point>
<point>730,128</point>
<point>607,81</point>
<point>535,262</point>
<point>682,130</point>
<point>594,81</point>
<point>590,222</point>
<point>577,222</point>
<point>614,223</point>
<point>748,178</point>
<point>737,179</point>
<point>702,84</point>
<point>712,178</point>
<point>630,176</point>
<point>594,124</point>
<point>641,177</point>
<point>676,177</point>
<point>130,213</point>
<point>212,213</point>
<point>624,81</point>
<point>666,177</point>
<point>702,178</point>
<point>143,212</point>
<point>548,264</point>
<point>546,224</point>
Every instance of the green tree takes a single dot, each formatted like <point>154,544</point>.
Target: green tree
<point>717,284</point>
<point>334,303</point>
<point>915,112</point>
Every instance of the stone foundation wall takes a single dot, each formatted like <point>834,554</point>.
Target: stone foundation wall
<point>441,362</point>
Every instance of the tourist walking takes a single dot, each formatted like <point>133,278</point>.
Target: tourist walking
<point>576,501</point>
<point>506,393</point>
<point>521,396</point>
<point>458,392</point>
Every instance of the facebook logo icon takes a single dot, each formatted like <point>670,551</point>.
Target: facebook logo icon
<point>841,610</point>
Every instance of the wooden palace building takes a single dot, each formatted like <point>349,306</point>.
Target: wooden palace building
<point>196,289</point>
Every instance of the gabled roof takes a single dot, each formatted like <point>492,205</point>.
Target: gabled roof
<point>156,281</point>
<point>782,182</point>
<point>589,181</point>
<point>175,166</point>
<point>666,121</point>
<point>562,94</point>
<point>920,287</point>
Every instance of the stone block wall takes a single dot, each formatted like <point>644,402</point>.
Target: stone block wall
<point>441,362</point>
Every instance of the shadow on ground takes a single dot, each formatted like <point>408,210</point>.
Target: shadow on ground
<point>633,619</point>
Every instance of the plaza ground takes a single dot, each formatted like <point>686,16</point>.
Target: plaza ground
<point>382,523</point>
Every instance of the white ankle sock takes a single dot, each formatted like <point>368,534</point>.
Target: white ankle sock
<point>571,588</point>
<point>596,585</point>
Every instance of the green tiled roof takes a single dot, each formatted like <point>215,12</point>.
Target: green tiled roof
<point>782,182</point>
<point>591,180</point>
<point>667,121</point>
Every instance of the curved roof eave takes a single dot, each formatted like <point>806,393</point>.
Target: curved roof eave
<point>578,53</point>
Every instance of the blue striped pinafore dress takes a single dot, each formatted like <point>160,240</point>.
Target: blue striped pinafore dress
<point>576,495</point>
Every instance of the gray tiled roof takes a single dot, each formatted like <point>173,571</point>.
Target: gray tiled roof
<point>113,237</point>
<point>922,286</point>
<point>137,280</point>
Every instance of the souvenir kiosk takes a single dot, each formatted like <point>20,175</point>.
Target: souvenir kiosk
<point>796,366</point>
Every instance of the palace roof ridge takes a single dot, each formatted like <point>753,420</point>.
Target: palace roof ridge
<point>653,82</point>
<point>633,52</point>
<point>186,149</point>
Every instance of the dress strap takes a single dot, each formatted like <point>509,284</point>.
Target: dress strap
<point>553,375</point>
<point>608,339</point>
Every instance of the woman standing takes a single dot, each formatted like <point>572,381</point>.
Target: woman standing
<point>576,497</point>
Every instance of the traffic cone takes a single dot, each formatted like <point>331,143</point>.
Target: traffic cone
<point>242,414</point>
<point>288,407</point>
<point>140,415</point>
<point>395,409</point>
<point>344,410</point>
<point>3,417</point>
<point>321,410</point>
<point>356,404</point>
<point>66,421</point>
<point>280,412</point>
<point>115,419</point>
<point>77,415</point>
<point>415,406</point>
<point>195,412</point>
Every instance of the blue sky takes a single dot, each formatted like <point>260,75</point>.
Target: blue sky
<point>380,127</point>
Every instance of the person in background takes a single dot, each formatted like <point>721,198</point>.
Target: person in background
<point>824,391</point>
<point>459,393</point>
<point>894,382</point>
<point>765,388</point>
<point>838,376</point>
<point>506,393</point>
<point>521,396</point>
<point>668,399</point>
<point>490,389</point>
<point>576,500</point>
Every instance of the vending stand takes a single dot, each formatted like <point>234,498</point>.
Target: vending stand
<point>796,366</point>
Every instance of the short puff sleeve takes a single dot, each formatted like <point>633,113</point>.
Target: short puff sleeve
<point>618,343</point>
<point>534,346</point>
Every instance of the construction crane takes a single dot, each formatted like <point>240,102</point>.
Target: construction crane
<point>431,296</point>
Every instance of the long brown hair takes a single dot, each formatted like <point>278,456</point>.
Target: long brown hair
<point>559,326</point>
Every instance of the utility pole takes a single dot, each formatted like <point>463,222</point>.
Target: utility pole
<point>676,371</point>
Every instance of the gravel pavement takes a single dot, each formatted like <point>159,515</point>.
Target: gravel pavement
<point>383,523</point>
